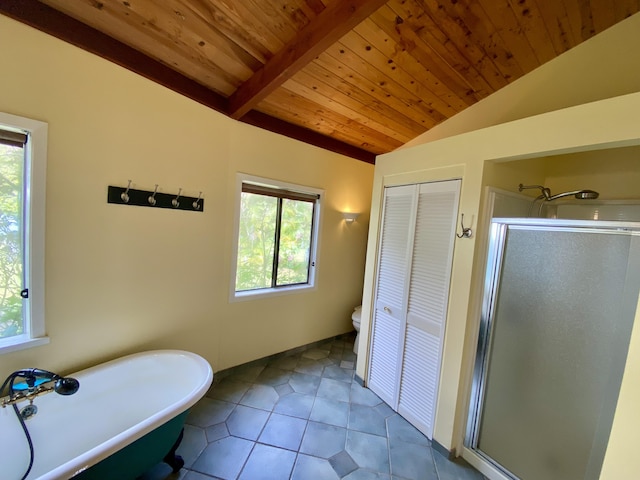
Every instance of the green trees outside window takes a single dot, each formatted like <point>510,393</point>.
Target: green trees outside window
<point>274,240</point>
<point>11,240</point>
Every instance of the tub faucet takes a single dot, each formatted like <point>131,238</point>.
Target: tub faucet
<point>36,382</point>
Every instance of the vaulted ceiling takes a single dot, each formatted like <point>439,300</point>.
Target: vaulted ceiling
<point>360,77</point>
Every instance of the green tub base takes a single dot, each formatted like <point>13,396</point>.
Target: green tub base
<point>133,460</point>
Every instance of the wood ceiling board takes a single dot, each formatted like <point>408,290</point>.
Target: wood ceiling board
<point>290,106</point>
<point>394,90</point>
<point>531,24</point>
<point>380,93</point>
<point>384,113</point>
<point>154,33</point>
<point>307,87</point>
<point>414,55</point>
<point>331,24</point>
<point>394,56</point>
<point>419,29</point>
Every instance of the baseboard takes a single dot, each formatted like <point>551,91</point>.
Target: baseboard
<point>442,450</point>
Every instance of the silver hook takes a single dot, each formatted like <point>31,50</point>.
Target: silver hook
<point>125,195</point>
<point>152,198</point>
<point>175,201</point>
<point>196,204</point>
<point>466,232</point>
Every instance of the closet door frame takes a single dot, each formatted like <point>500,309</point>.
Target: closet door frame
<point>408,261</point>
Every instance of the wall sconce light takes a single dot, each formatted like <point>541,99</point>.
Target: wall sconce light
<point>350,217</point>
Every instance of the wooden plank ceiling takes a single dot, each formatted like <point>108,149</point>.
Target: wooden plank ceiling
<point>361,77</point>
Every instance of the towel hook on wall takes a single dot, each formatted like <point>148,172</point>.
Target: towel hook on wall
<point>125,195</point>
<point>466,231</point>
<point>196,204</point>
<point>152,198</point>
<point>175,201</point>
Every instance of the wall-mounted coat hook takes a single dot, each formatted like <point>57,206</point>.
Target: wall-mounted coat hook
<point>125,195</point>
<point>466,231</point>
<point>145,198</point>
<point>175,202</point>
<point>196,204</point>
<point>152,198</point>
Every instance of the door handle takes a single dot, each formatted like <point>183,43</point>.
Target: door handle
<point>387,309</point>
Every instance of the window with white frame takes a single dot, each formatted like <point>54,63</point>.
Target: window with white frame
<point>23,146</point>
<point>276,236</point>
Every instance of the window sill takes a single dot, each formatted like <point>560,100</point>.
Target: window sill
<point>21,342</point>
<point>268,292</point>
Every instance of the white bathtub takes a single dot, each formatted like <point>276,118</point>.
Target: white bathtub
<point>118,403</point>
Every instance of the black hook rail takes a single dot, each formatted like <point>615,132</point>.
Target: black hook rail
<point>154,199</point>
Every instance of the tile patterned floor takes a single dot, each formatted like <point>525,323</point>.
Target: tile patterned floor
<point>302,416</point>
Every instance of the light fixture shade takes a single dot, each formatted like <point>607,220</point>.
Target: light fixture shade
<point>350,217</point>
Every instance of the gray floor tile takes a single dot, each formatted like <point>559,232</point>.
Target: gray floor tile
<point>321,440</point>
<point>315,354</point>
<point>273,376</point>
<point>367,420</point>
<point>412,461</point>
<point>399,429</point>
<point>229,390</point>
<point>194,441</point>
<point>260,396</point>
<point>268,463</point>
<point>368,451</point>
<point>347,365</point>
<point>196,476</point>
<point>313,468</point>
<point>455,470</point>
<point>248,373</point>
<point>385,410</point>
<point>284,389</point>
<point>364,396</point>
<point>247,422</point>
<point>209,412</point>
<point>303,383</point>
<point>363,474</point>
<point>334,389</point>
<point>309,367</point>
<point>216,432</point>
<point>330,411</point>
<point>337,373</point>
<point>343,464</point>
<point>285,363</point>
<point>224,458</point>
<point>283,431</point>
<point>295,405</point>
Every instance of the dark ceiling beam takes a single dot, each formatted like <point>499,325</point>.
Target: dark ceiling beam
<point>55,23</point>
<point>328,27</point>
<point>267,122</point>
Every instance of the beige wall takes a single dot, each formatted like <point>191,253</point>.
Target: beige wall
<point>124,279</point>
<point>602,67</point>
<point>597,126</point>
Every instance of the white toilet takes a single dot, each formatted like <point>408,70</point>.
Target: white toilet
<point>355,316</point>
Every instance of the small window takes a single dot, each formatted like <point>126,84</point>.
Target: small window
<point>276,237</point>
<point>22,182</point>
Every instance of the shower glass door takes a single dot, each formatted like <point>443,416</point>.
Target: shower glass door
<point>559,305</point>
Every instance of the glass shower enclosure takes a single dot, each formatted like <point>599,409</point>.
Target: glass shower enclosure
<point>558,308</point>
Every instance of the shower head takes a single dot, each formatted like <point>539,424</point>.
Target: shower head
<point>546,196</point>
<point>578,194</point>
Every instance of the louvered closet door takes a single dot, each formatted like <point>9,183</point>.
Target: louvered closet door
<point>427,303</point>
<point>390,302</point>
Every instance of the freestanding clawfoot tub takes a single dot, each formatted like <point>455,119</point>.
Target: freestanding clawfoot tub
<point>126,417</point>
